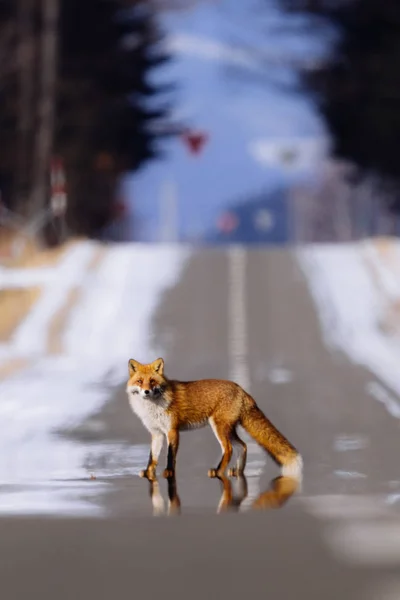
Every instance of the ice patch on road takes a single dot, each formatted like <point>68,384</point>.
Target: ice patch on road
<point>375,389</point>
<point>279,375</point>
<point>351,304</point>
<point>393,498</point>
<point>365,543</point>
<point>66,499</point>
<point>349,474</point>
<point>110,324</point>
<point>350,443</point>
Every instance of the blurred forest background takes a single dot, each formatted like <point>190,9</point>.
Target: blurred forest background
<point>76,85</point>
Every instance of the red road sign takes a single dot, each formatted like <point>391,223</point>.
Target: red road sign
<point>195,140</point>
<point>227,222</point>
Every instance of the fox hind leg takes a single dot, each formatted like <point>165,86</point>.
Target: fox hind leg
<point>223,433</point>
<point>241,462</point>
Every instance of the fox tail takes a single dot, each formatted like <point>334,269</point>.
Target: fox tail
<point>271,439</point>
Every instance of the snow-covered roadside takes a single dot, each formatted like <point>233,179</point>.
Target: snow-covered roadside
<point>110,323</point>
<point>352,287</point>
<point>31,336</point>
<point>22,278</point>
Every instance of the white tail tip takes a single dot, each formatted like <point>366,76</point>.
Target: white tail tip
<point>294,468</point>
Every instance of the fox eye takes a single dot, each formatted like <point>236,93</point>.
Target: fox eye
<point>140,381</point>
<point>152,382</point>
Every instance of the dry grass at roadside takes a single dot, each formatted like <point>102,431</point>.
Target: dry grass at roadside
<point>14,306</point>
<point>30,254</point>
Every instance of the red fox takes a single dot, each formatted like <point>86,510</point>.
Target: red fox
<point>167,407</point>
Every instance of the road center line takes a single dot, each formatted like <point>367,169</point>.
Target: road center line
<point>237,324</point>
<point>238,351</point>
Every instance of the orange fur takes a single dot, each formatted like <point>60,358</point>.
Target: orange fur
<point>167,407</point>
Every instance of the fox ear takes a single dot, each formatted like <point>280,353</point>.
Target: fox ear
<point>133,366</point>
<point>158,365</point>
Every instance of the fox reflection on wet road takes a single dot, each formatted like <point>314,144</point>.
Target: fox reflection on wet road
<point>276,495</point>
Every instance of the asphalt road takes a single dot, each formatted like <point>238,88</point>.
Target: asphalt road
<point>247,316</point>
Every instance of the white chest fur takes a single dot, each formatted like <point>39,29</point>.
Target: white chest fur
<point>152,413</point>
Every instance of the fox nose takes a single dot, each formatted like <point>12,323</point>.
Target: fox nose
<point>147,392</point>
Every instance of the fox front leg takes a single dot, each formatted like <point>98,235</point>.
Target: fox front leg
<point>157,440</point>
<point>173,445</point>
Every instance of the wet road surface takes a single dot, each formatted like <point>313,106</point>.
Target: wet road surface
<point>247,316</point>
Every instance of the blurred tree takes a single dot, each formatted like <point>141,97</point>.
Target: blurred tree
<point>79,85</point>
<point>110,116</point>
<point>357,89</point>
<point>8,96</point>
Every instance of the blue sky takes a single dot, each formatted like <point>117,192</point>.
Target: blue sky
<point>225,90</point>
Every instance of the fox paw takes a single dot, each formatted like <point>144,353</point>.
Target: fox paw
<point>214,473</point>
<point>235,472</point>
<point>149,474</point>
<point>168,473</point>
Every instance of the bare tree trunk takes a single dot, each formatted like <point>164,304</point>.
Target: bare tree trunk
<point>26,109</point>
<point>46,104</point>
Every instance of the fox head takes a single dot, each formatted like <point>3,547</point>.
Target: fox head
<point>146,380</point>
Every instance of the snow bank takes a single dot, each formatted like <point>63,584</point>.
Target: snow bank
<point>31,336</point>
<point>22,278</point>
<point>110,323</point>
<point>352,287</point>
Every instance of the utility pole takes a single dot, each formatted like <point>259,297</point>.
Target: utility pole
<point>48,48</point>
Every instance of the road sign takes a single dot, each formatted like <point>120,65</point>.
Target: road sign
<point>228,222</point>
<point>264,220</point>
<point>289,154</point>
<point>194,141</point>
<point>58,200</point>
